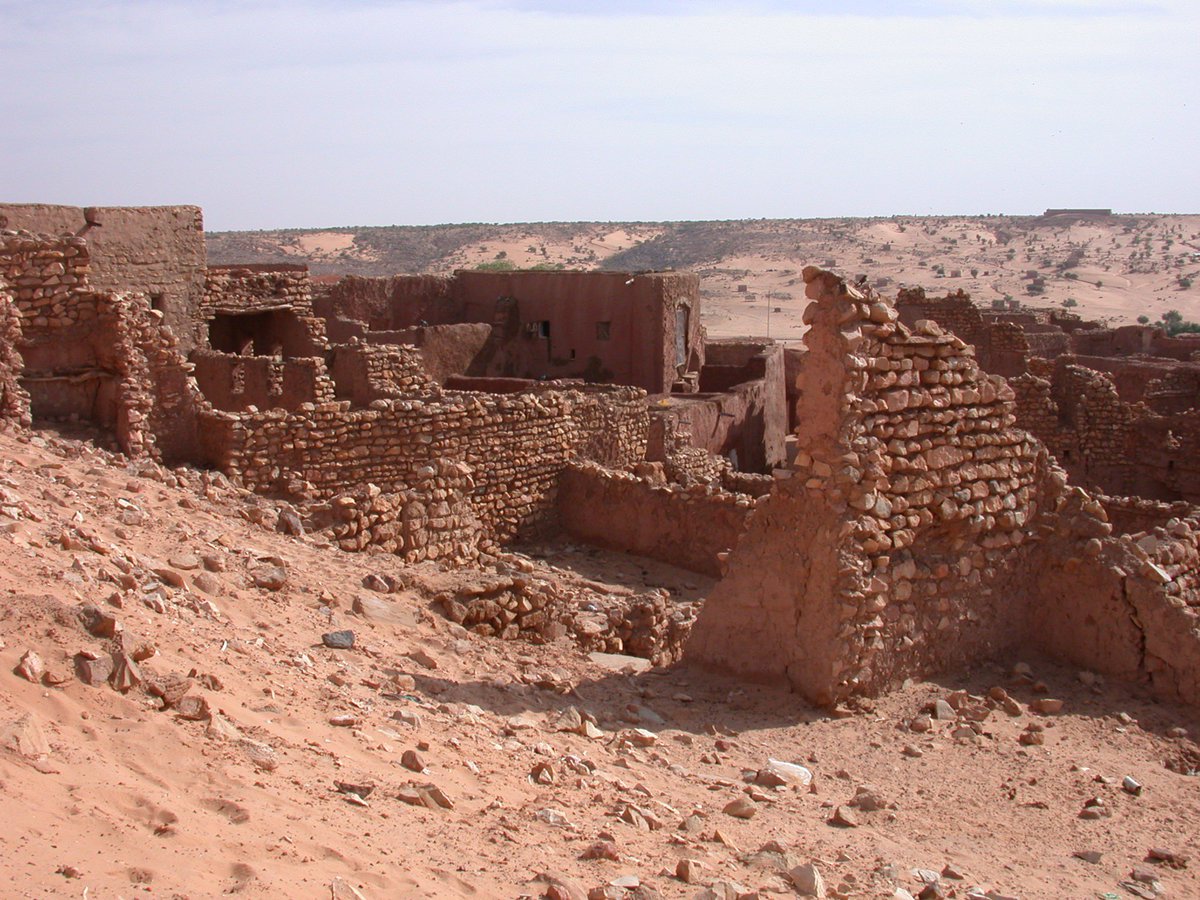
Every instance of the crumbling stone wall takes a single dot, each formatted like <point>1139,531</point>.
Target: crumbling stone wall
<point>433,519</point>
<point>157,251</point>
<point>921,531</point>
<point>242,290</point>
<point>235,383</point>
<point>690,527</point>
<point>516,446</point>
<point>14,401</point>
<point>101,356</point>
<point>366,372</point>
<point>884,552</point>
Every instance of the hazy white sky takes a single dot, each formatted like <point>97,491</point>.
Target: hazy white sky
<point>273,113</point>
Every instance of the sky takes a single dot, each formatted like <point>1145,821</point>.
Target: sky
<point>316,113</point>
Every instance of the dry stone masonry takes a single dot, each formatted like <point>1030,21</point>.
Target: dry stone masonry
<point>920,529</point>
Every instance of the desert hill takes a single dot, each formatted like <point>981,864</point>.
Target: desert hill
<point>1115,268</point>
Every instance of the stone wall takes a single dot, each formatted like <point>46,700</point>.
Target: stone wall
<point>922,531</point>
<point>14,401</point>
<point>236,383</point>
<point>516,445</point>
<point>98,356</point>
<point>281,296</point>
<point>884,553</point>
<point>689,527</point>
<point>154,250</point>
<point>366,372</point>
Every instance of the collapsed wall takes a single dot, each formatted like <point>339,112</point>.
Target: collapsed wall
<point>921,530</point>
<point>91,355</point>
<point>14,401</point>
<point>157,251</point>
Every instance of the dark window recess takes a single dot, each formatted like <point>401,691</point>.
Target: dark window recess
<point>158,302</point>
<point>544,329</point>
<point>603,331</point>
<point>572,352</point>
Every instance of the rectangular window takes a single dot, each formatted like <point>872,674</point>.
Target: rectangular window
<point>603,331</point>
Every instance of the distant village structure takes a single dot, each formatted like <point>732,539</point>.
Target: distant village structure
<point>923,485</point>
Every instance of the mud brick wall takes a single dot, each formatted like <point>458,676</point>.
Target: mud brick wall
<point>689,527</point>
<point>366,372</point>
<point>157,251</point>
<point>515,444</point>
<point>356,305</point>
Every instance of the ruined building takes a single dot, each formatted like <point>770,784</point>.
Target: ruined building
<point>920,526</point>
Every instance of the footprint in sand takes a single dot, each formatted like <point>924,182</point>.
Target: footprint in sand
<point>234,812</point>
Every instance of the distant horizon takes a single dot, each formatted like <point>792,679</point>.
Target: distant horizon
<point>1003,215</point>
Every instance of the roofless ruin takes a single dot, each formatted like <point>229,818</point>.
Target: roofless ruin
<point>921,486</point>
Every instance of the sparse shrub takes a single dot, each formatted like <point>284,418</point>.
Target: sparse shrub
<point>1177,324</point>
<point>496,265</point>
<point>1070,302</point>
<point>1143,320</point>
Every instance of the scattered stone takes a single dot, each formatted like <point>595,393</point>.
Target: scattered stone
<point>423,659</point>
<point>344,721</point>
<point>125,675</point>
<point>844,817</point>
<point>1167,857</point>
<point>25,737</point>
<point>30,667</point>
<point>193,707</point>
<point>777,773</point>
<point>362,789</point>
<point>1047,706</point>
<point>741,808</point>
<point>338,640</point>
<point>808,881</point>
<point>553,817</point>
<point>943,711</point>
<point>602,850</point>
<point>560,887</point>
<point>921,724</point>
<point>97,622</point>
<point>271,578</point>
<point>689,871</point>
<point>412,761</point>
<point>1088,856</point>
<point>1131,786</point>
<point>341,889</point>
<point>93,669</point>
<point>185,561</point>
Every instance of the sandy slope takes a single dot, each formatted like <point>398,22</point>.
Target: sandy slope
<point>133,801</point>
